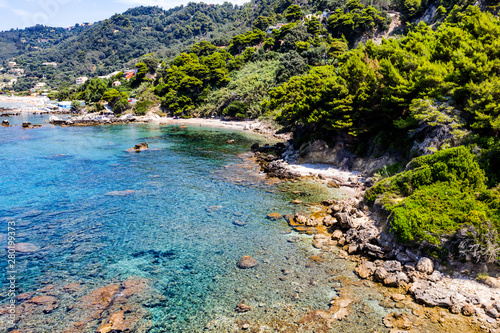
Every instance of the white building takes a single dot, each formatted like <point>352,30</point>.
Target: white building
<point>17,71</point>
<point>81,80</point>
<point>12,64</point>
<point>40,85</point>
<point>53,64</point>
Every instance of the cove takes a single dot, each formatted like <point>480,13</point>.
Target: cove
<point>151,240</point>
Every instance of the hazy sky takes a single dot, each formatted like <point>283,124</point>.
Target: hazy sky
<point>65,13</point>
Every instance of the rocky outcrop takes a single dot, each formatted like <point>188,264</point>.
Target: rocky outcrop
<point>351,226</point>
<point>340,156</point>
<point>274,167</point>
<point>269,159</point>
<point>94,121</point>
<point>5,123</point>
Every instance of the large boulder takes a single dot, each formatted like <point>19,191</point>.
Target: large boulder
<point>491,282</point>
<point>432,295</point>
<point>344,220</point>
<point>374,250</point>
<point>329,221</point>
<point>425,265</point>
<point>301,218</point>
<point>396,280</point>
<point>468,310</point>
<point>141,146</point>
<point>365,269</point>
<point>337,234</point>
<point>392,266</point>
<point>380,274</point>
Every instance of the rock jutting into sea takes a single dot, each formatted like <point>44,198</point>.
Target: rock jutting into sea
<point>139,147</point>
<point>350,225</point>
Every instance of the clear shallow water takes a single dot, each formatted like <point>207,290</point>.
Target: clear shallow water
<point>100,215</point>
<point>63,187</point>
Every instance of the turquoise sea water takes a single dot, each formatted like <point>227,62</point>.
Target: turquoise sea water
<point>64,188</point>
<point>98,214</point>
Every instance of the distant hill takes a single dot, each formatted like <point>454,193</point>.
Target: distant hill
<point>108,45</point>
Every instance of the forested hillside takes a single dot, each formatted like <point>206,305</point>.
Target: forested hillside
<point>108,45</point>
<point>17,42</point>
<point>428,95</point>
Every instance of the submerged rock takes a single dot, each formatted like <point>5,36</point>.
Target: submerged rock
<point>120,193</point>
<point>274,216</point>
<point>242,307</point>
<point>26,247</point>
<point>43,303</point>
<point>5,122</point>
<point>397,320</point>
<point>239,223</point>
<point>247,262</point>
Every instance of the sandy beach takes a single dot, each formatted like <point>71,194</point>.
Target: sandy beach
<point>211,122</point>
<point>24,104</point>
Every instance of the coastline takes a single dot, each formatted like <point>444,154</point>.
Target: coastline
<point>463,288</point>
<point>362,235</point>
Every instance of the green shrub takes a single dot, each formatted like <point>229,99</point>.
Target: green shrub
<point>439,195</point>
<point>236,109</point>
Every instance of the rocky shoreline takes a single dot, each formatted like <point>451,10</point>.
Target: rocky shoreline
<point>362,234</point>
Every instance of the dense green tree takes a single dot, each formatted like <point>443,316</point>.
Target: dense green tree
<point>262,23</point>
<point>203,48</point>
<point>93,90</point>
<point>314,26</point>
<point>354,20</point>
<point>291,64</point>
<point>293,13</point>
<point>240,42</point>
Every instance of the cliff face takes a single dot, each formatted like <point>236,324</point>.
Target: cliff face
<point>338,155</point>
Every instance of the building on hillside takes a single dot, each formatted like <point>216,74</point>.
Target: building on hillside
<point>81,80</point>
<point>12,82</point>
<point>116,84</point>
<point>17,71</point>
<point>275,27</point>
<point>12,64</point>
<point>109,76</point>
<point>40,85</point>
<point>130,73</point>
<point>53,64</point>
<point>66,105</point>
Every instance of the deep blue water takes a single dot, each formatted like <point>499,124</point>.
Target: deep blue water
<point>174,226</point>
